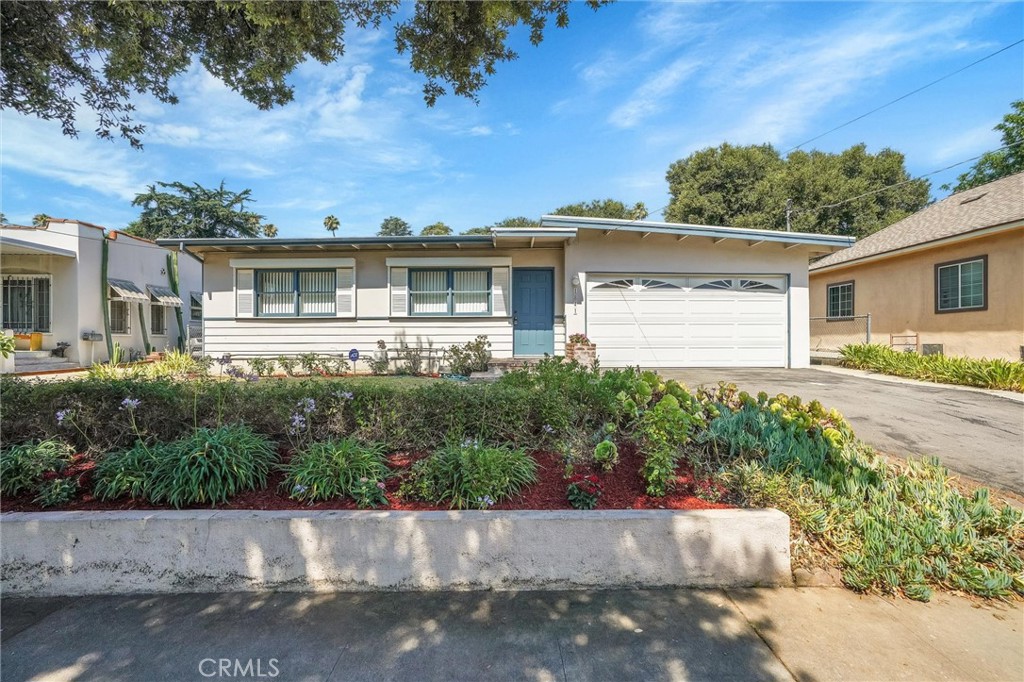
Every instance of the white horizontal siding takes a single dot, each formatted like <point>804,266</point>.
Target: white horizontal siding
<point>270,338</point>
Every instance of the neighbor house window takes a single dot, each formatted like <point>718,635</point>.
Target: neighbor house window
<point>26,303</point>
<point>840,300</point>
<point>450,292</point>
<point>120,316</point>
<point>961,285</point>
<point>295,293</point>
<point>195,306</point>
<point>157,319</point>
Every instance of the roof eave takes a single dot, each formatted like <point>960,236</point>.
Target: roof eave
<point>712,231</point>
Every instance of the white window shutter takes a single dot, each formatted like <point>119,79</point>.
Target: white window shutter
<point>499,291</point>
<point>399,291</point>
<point>244,295</point>
<point>345,283</point>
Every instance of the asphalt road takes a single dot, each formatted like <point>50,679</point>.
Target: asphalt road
<point>976,434</point>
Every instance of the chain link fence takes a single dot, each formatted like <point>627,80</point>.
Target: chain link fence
<point>829,334</point>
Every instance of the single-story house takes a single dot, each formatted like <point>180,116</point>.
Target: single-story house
<point>647,293</point>
<point>52,293</point>
<point>948,279</point>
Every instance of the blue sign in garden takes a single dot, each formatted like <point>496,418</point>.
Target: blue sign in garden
<point>353,354</point>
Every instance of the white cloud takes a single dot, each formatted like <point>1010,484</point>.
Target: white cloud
<point>480,131</point>
<point>172,134</point>
<point>651,96</point>
<point>970,142</point>
<point>38,148</point>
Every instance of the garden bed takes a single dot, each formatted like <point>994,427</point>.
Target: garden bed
<point>623,489</point>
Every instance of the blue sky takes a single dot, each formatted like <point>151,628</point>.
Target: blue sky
<point>597,110</point>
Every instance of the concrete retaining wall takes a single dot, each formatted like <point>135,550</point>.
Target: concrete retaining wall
<point>70,553</point>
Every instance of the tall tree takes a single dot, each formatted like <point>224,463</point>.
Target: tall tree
<point>194,211</point>
<point>40,220</point>
<point>270,230</point>
<point>998,164</point>
<point>437,229</point>
<point>393,226</point>
<point>108,51</point>
<point>604,208</point>
<point>331,224</point>
<point>852,192</point>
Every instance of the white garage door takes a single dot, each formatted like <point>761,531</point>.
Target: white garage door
<point>688,320</point>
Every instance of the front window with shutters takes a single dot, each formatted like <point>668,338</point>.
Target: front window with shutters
<point>450,292</point>
<point>295,293</point>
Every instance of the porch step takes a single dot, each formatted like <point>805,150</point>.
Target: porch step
<point>39,361</point>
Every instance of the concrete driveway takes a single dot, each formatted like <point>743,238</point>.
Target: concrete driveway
<point>978,434</point>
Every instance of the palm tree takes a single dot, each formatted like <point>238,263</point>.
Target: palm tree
<point>332,224</point>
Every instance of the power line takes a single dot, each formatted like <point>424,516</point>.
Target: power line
<point>905,182</point>
<point>912,92</point>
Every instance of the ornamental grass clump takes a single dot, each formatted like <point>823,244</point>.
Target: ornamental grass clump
<point>893,526</point>
<point>26,468</point>
<point>470,475</point>
<point>332,469</point>
<point>209,466</point>
<point>997,374</point>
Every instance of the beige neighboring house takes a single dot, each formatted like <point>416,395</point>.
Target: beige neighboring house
<point>647,293</point>
<point>52,293</point>
<point>948,279</point>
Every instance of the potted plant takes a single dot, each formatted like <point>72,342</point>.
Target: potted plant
<point>581,349</point>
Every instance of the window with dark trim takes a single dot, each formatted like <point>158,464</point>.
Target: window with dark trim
<point>295,293</point>
<point>195,306</point>
<point>157,319</point>
<point>840,300</point>
<point>448,291</point>
<point>961,285</point>
<point>120,316</point>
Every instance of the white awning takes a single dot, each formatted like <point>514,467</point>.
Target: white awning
<point>164,295</point>
<point>127,290</point>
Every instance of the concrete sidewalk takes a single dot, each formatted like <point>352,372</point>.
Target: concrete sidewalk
<point>752,634</point>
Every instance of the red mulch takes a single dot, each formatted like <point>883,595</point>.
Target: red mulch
<point>623,489</point>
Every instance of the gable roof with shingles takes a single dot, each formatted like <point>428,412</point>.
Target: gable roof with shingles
<point>997,203</point>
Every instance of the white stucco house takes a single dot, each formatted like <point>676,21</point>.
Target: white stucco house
<point>51,278</point>
<point>647,293</point>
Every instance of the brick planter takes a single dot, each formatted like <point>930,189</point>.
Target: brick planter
<point>583,353</point>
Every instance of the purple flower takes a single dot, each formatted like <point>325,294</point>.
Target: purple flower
<point>252,377</point>
<point>298,489</point>
<point>234,371</point>
<point>62,415</point>
<point>548,428</point>
<point>224,359</point>
<point>381,486</point>
<point>485,501</point>
<point>344,395</point>
<point>307,405</point>
<point>130,403</point>
<point>298,421</point>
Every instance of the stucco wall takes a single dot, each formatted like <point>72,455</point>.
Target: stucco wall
<point>899,293</point>
<point>71,553</point>
<point>629,252</point>
<point>253,337</point>
<point>76,291</point>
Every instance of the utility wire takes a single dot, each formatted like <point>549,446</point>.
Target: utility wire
<point>905,182</point>
<point>912,92</point>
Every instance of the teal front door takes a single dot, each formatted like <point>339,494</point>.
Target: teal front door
<point>533,311</point>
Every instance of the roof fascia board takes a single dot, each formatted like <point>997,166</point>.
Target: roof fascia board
<point>269,244</point>
<point>536,232</point>
<point>713,232</point>
<point>922,246</point>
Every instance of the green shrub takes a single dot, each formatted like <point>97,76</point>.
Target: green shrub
<point>583,492</point>
<point>895,526</point>
<point>998,374</point>
<point>336,468</point>
<point>662,431</point>
<point>606,455</point>
<point>212,465</point>
<point>56,492</point>
<point>23,467</point>
<point>209,466</point>
<point>473,356</point>
<point>470,475</point>
<point>131,472</point>
<point>263,367</point>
